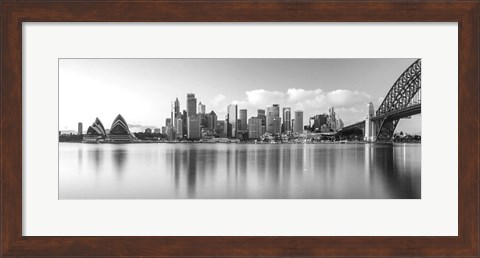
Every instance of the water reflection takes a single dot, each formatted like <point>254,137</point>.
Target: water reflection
<point>240,171</point>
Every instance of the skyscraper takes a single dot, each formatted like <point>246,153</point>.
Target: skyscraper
<point>191,104</point>
<point>168,122</point>
<point>194,128</point>
<point>272,112</point>
<point>80,128</point>
<point>277,125</point>
<point>201,108</point>
<point>298,128</point>
<point>211,121</point>
<point>287,117</point>
<point>331,118</point>
<point>243,120</point>
<point>176,112</point>
<point>255,128</point>
<point>179,128</point>
<point>232,121</point>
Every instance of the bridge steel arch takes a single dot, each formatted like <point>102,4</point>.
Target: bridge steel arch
<point>400,96</point>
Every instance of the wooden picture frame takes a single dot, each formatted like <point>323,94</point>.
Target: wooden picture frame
<point>14,12</point>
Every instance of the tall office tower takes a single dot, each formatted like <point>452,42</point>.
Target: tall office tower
<point>277,125</point>
<point>298,127</point>
<point>191,104</point>
<point>318,121</point>
<point>331,118</point>
<point>272,112</point>
<point>179,128</point>
<point>80,129</point>
<point>170,133</point>
<point>194,131</point>
<point>176,109</point>
<point>232,120</point>
<point>261,115</point>
<point>255,128</point>
<point>287,117</point>
<point>220,129</point>
<point>211,121</point>
<point>201,108</point>
<point>243,120</point>
<point>184,121</point>
<point>164,129</point>
<point>168,122</point>
<point>227,126</point>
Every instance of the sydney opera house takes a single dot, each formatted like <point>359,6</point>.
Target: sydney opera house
<point>119,132</point>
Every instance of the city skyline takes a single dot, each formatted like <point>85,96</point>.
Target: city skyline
<point>149,108</point>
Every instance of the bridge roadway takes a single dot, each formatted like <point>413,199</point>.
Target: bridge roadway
<point>393,115</point>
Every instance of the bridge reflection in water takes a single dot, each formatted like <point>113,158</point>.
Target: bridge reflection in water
<point>222,171</point>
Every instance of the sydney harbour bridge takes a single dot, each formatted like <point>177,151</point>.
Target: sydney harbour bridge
<point>402,100</point>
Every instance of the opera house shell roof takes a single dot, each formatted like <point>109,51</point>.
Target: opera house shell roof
<point>97,128</point>
<point>119,131</point>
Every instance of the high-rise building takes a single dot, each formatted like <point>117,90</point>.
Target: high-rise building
<point>255,130</point>
<point>80,129</point>
<point>201,108</point>
<point>220,129</point>
<point>232,121</point>
<point>287,117</point>
<point>298,127</point>
<point>277,125</point>
<point>272,112</point>
<point>331,118</point>
<point>243,120</point>
<point>211,121</point>
<point>156,130</point>
<point>194,131</point>
<point>170,132</point>
<point>191,105</point>
<point>318,121</point>
<point>164,129</point>
<point>261,115</point>
<point>168,122</point>
<point>176,112</point>
<point>179,128</point>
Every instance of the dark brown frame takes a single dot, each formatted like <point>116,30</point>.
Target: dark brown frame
<point>14,12</point>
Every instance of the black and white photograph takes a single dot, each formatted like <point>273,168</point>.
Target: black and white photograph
<point>239,128</point>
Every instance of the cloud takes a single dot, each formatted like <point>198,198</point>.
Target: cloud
<point>349,105</point>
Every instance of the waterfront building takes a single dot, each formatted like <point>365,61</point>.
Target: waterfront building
<point>119,131</point>
<point>191,104</point>
<point>168,121</point>
<point>156,130</point>
<point>243,120</point>
<point>201,108</point>
<point>232,121</point>
<point>318,121</point>
<point>194,131</point>
<point>277,125</point>
<point>164,129</point>
<point>272,112</point>
<point>179,128</point>
<point>211,121</point>
<point>255,128</point>
<point>287,117</point>
<point>80,128</point>
<point>176,112</point>
<point>95,132</point>
<point>298,127</point>
<point>331,119</point>
<point>220,129</point>
<point>148,130</point>
<point>170,133</point>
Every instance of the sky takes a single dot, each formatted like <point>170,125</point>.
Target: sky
<point>142,90</point>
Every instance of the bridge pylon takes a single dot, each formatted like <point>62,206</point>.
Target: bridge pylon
<point>370,127</point>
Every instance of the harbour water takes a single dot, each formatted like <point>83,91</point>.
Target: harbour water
<point>239,171</point>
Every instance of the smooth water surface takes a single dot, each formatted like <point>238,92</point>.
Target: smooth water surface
<point>222,171</point>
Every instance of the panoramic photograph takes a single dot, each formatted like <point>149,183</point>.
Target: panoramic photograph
<point>239,128</point>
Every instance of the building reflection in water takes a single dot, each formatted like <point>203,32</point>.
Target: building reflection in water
<point>348,171</point>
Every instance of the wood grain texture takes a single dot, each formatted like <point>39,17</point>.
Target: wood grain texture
<point>13,13</point>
